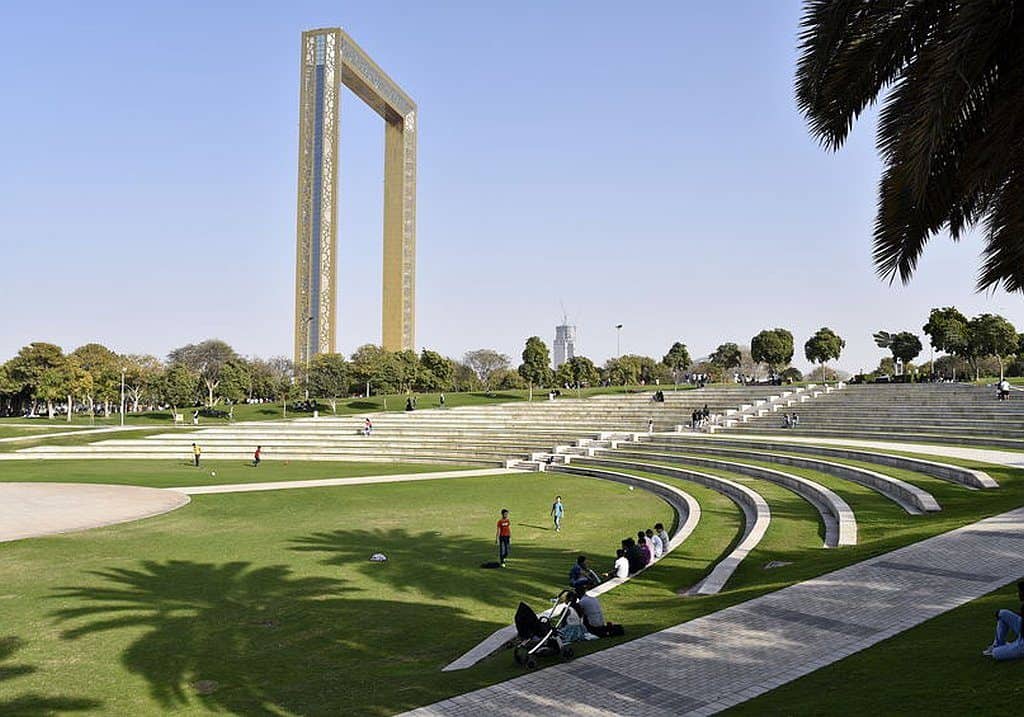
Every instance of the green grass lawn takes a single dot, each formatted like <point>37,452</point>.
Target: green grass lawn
<point>171,473</point>
<point>271,597</point>
<point>18,430</point>
<point>935,668</point>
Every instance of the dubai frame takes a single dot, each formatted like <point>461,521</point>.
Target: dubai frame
<point>330,58</point>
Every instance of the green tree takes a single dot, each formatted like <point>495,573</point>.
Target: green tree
<point>329,378</point>
<point>142,377</point>
<point>206,359</point>
<point>485,363</point>
<point>727,356</point>
<point>505,379</point>
<point>677,360</point>
<point>179,386</point>
<point>824,346</point>
<point>577,371</point>
<point>77,383</point>
<point>368,367</point>
<point>536,366</point>
<point>948,332</point>
<point>104,366</point>
<point>28,368</point>
<point>772,347</point>
<point>949,131</point>
<point>794,375</point>
<point>235,380</point>
<point>437,372</point>
<point>904,346</point>
<point>992,335</point>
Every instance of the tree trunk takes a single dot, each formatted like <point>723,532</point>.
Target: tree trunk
<point>1000,360</point>
<point>106,409</point>
<point>49,409</point>
<point>69,408</point>
<point>210,385</point>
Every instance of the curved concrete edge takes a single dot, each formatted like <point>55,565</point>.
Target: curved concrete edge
<point>166,501</point>
<point>967,477</point>
<point>757,516</point>
<point>836,514</point>
<point>685,506</point>
<point>912,499</point>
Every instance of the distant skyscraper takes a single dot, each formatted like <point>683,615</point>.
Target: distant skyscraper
<point>565,342</point>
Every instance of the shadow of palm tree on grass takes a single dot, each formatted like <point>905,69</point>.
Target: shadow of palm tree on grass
<point>445,566</point>
<point>31,704</point>
<point>260,641</point>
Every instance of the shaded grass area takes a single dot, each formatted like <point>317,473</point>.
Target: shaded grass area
<point>20,429</point>
<point>267,602</point>
<point>935,668</point>
<point>173,474</point>
<point>78,437</point>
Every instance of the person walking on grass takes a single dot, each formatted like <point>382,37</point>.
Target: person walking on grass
<point>503,536</point>
<point>256,457</point>
<point>557,511</point>
<point>196,452</point>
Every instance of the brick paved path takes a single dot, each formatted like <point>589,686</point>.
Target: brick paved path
<point>720,660</point>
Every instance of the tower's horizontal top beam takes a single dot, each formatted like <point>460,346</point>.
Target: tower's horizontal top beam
<point>367,80</point>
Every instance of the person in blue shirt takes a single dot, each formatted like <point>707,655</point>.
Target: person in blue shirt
<point>582,575</point>
<point>557,511</point>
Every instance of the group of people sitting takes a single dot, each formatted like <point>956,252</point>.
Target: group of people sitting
<point>658,396</point>
<point>1004,390</point>
<point>634,555</point>
<point>790,420</point>
<point>700,418</point>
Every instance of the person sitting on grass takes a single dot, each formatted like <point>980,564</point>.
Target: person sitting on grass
<point>588,608</point>
<point>1007,622</point>
<point>657,546</point>
<point>582,575</point>
<point>621,569</point>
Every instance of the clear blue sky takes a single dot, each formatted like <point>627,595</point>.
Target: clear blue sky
<point>643,163</point>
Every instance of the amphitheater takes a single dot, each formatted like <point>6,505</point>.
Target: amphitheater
<point>896,441</point>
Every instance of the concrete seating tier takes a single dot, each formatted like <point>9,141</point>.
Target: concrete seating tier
<point>489,435</point>
<point>966,477</point>
<point>836,514</point>
<point>911,498</point>
<point>756,512</point>
<point>923,413</point>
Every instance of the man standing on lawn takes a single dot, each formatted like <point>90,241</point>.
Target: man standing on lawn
<point>557,511</point>
<point>196,452</point>
<point>503,536</point>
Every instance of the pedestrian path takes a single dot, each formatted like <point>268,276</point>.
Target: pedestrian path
<point>71,431</point>
<point>1014,459</point>
<point>715,662</point>
<point>326,482</point>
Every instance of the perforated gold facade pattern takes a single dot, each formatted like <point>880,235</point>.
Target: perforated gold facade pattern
<point>330,58</point>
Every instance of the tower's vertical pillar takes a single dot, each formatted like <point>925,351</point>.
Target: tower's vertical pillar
<point>399,290</point>
<point>316,225</point>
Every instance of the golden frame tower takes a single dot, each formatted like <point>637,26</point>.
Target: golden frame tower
<point>330,58</point>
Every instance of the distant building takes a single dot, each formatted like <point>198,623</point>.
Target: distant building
<point>565,343</point>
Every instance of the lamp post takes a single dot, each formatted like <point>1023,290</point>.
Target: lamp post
<point>618,340</point>
<point>122,395</point>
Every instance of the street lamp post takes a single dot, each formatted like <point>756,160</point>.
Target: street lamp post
<point>122,395</point>
<point>618,340</point>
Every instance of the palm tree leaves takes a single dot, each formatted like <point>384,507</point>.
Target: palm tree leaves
<point>951,130</point>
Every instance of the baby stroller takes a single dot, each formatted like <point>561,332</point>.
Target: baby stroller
<point>538,635</point>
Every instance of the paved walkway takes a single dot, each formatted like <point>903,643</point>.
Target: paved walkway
<point>28,510</point>
<point>325,482</point>
<point>720,660</point>
<point>71,431</point>
<point>985,455</point>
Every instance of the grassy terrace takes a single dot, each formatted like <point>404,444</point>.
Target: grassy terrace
<point>267,600</point>
<point>349,406</point>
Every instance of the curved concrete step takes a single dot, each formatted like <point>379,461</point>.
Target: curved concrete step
<point>912,499</point>
<point>757,515</point>
<point>836,514</point>
<point>966,477</point>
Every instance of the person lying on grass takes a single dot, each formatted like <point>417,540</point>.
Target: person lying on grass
<point>1007,622</point>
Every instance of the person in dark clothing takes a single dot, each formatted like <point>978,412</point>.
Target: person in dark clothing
<point>633,555</point>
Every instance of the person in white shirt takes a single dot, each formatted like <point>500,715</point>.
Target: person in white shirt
<point>657,549</point>
<point>660,530</point>
<point>621,569</point>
